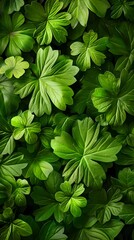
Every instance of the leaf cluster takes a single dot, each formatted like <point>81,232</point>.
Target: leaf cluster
<point>66,119</point>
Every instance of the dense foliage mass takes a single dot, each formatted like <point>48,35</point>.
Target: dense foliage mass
<point>66,119</point>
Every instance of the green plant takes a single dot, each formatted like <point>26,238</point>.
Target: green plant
<point>66,119</point>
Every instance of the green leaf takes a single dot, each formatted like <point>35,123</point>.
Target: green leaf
<point>80,10</point>
<point>107,231</point>
<point>12,165</point>
<point>52,231</point>
<point>82,99</point>
<point>118,8</point>
<point>70,198</point>
<point>24,126</point>
<point>15,5</point>
<point>97,7</point>
<point>16,229</point>
<point>63,122</point>
<point>9,101</point>
<point>121,44</point>
<point>15,36</point>
<point>49,205</point>
<point>113,207</point>
<point>40,165</point>
<point>125,180</point>
<point>14,66</point>
<point>83,150</point>
<point>127,214</point>
<point>115,97</point>
<point>21,227</point>
<point>22,188</point>
<point>54,76</point>
<point>89,50</point>
<point>50,23</point>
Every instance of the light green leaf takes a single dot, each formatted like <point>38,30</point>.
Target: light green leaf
<point>14,66</point>
<point>83,148</point>
<point>89,50</point>
<point>54,76</point>
<point>24,126</point>
<point>70,199</point>
<point>42,170</point>
<point>50,23</point>
<point>79,12</point>
<point>79,9</point>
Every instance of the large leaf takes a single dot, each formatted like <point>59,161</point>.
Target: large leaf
<point>83,149</point>
<point>115,97</point>
<point>54,75</point>
<point>50,21</point>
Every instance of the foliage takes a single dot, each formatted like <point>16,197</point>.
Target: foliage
<point>66,119</point>
<point>88,50</point>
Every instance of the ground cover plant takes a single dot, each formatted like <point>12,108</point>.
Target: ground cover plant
<point>66,119</point>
